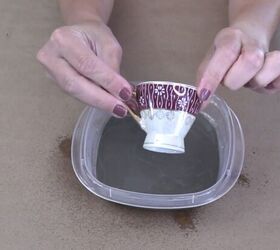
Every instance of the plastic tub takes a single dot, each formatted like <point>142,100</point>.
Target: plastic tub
<point>85,142</point>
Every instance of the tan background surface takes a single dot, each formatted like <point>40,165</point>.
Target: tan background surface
<point>42,204</point>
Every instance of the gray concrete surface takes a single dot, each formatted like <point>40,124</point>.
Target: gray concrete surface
<point>42,204</point>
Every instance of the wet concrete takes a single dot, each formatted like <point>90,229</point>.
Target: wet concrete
<point>123,163</point>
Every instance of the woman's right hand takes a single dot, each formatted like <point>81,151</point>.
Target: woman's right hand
<point>84,60</point>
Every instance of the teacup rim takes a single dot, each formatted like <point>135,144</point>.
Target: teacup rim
<point>168,83</point>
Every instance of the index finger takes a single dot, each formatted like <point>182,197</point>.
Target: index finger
<point>87,63</point>
<point>226,53</point>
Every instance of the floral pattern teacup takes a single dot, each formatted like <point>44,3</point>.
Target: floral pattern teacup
<point>167,112</point>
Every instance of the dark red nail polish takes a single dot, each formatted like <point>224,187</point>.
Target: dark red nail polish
<point>132,104</point>
<point>120,111</point>
<point>270,86</point>
<point>204,94</point>
<point>247,85</point>
<point>125,94</point>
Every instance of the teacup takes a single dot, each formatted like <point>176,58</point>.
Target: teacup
<point>167,112</point>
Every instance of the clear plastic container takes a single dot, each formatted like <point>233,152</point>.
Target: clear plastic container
<point>85,142</point>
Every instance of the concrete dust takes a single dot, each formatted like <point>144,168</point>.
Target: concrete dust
<point>186,219</point>
<point>65,146</point>
<point>244,180</point>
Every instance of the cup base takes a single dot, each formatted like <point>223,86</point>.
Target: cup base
<point>167,144</point>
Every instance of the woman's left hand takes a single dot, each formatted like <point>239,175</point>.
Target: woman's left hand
<point>236,60</point>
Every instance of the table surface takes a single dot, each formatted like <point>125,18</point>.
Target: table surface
<point>43,205</point>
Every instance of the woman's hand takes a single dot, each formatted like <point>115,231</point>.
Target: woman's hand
<point>84,60</point>
<point>239,55</point>
<point>236,60</point>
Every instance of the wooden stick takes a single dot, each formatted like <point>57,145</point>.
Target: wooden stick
<point>135,117</point>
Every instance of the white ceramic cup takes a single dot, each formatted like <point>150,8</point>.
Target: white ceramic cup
<point>167,112</point>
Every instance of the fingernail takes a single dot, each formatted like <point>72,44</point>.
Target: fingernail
<point>125,94</point>
<point>120,111</point>
<point>270,86</point>
<point>204,94</point>
<point>133,105</point>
